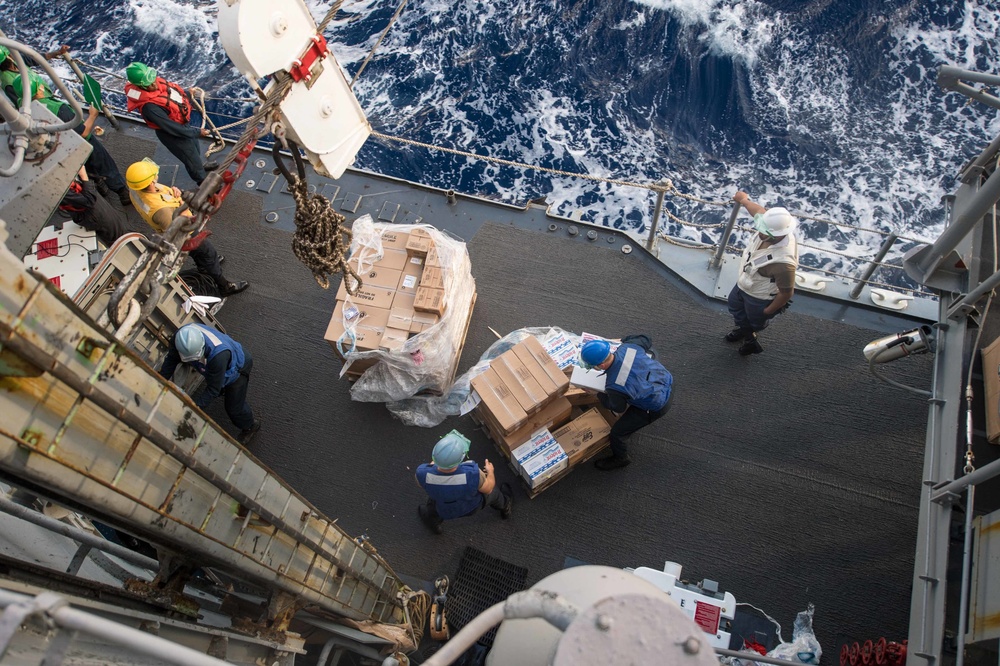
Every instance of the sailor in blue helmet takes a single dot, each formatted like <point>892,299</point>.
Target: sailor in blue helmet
<point>226,367</point>
<point>636,386</point>
<point>456,487</point>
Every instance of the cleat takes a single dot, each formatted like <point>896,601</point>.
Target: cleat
<point>246,436</point>
<point>612,462</point>
<point>231,288</point>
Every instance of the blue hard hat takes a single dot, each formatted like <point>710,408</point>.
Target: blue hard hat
<point>450,450</point>
<point>190,343</point>
<point>595,352</point>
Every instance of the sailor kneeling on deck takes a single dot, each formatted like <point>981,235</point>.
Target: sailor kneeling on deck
<point>456,487</point>
<point>156,204</point>
<point>637,386</point>
<point>767,280</point>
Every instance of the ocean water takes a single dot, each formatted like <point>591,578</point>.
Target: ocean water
<point>828,108</point>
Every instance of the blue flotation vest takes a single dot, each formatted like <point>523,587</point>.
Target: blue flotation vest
<point>455,494</point>
<point>215,343</point>
<point>644,382</point>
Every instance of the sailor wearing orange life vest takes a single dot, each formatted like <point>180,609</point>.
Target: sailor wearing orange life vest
<point>166,108</point>
<point>157,203</point>
<point>766,282</point>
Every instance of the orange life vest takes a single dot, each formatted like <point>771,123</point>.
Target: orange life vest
<point>167,94</point>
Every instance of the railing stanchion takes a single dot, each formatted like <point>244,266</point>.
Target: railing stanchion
<point>726,233</point>
<point>870,269</point>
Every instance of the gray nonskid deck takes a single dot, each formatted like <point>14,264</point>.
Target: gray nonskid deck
<point>789,477</point>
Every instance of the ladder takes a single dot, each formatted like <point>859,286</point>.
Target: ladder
<point>86,421</point>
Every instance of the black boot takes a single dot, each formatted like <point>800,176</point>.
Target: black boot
<point>736,335</point>
<point>231,288</point>
<point>247,435</point>
<point>508,501</point>
<point>123,198</point>
<point>612,462</point>
<point>101,185</point>
<point>751,346</point>
<point>428,520</point>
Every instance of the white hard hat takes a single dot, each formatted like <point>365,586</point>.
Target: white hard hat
<point>778,221</point>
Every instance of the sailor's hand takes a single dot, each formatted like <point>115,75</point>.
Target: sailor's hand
<point>741,197</point>
<point>57,53</point>
<point>488,466</point>
<point>205,133</point>
<point>176,192</point>
<point>93,112</point>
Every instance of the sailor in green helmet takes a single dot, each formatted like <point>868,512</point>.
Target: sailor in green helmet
<point>9,70</point>
<point>100,164</point>
<point>166,108</point>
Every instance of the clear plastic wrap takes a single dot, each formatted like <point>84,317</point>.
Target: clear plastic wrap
<point>429,411</point>
<point>804,646</point>
<point>427,360</point>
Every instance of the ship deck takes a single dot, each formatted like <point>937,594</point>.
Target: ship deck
<point>790,477</point>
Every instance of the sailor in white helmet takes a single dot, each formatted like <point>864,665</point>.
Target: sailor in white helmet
<point>767,278</point>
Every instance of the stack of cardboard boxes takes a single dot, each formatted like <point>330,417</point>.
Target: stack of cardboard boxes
<point>529,413</point>
<point>402,294</point>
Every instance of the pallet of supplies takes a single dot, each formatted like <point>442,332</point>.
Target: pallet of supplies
<point>396,332</point>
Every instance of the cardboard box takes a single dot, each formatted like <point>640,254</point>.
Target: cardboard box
<point>432,277</point>
<point>378,276</point>
<point>544,363</point>
<point>518,379</point>
<point>498,401</point>
<point>578,396</point>
<point>545,464</point>
<point>422,321</point>
<point>433,257</point>
<point>538,441</point>
<point>367,324</point>
<point>583,436</point>
<point>552,416</point>
<point>429,300</point>
<point>404,300</point>
<point>378,297</point>
<point>394,259</point>
<point>561,350</point>
<point>409,278</point>
<point>419,243</point>
<point>393,239</point>
<point>400,318</point>
<point>393,339</point>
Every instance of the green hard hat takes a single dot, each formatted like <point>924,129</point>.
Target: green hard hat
<point>450,450</point>
<point>4,53</point>
<point>139,74</point>
<point>35,81</point>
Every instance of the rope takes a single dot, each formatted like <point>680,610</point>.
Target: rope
<point>198,101</point>
<point>320,241</point>
<point>417,605</point>
<point>385,32</point>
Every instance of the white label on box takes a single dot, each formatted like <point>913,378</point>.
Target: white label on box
<point>470,403</point>
<point>590,379</point>
<point>351,312</point>
<point>416,260</point>
<point>409,281</point>
<point>539,441</point>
